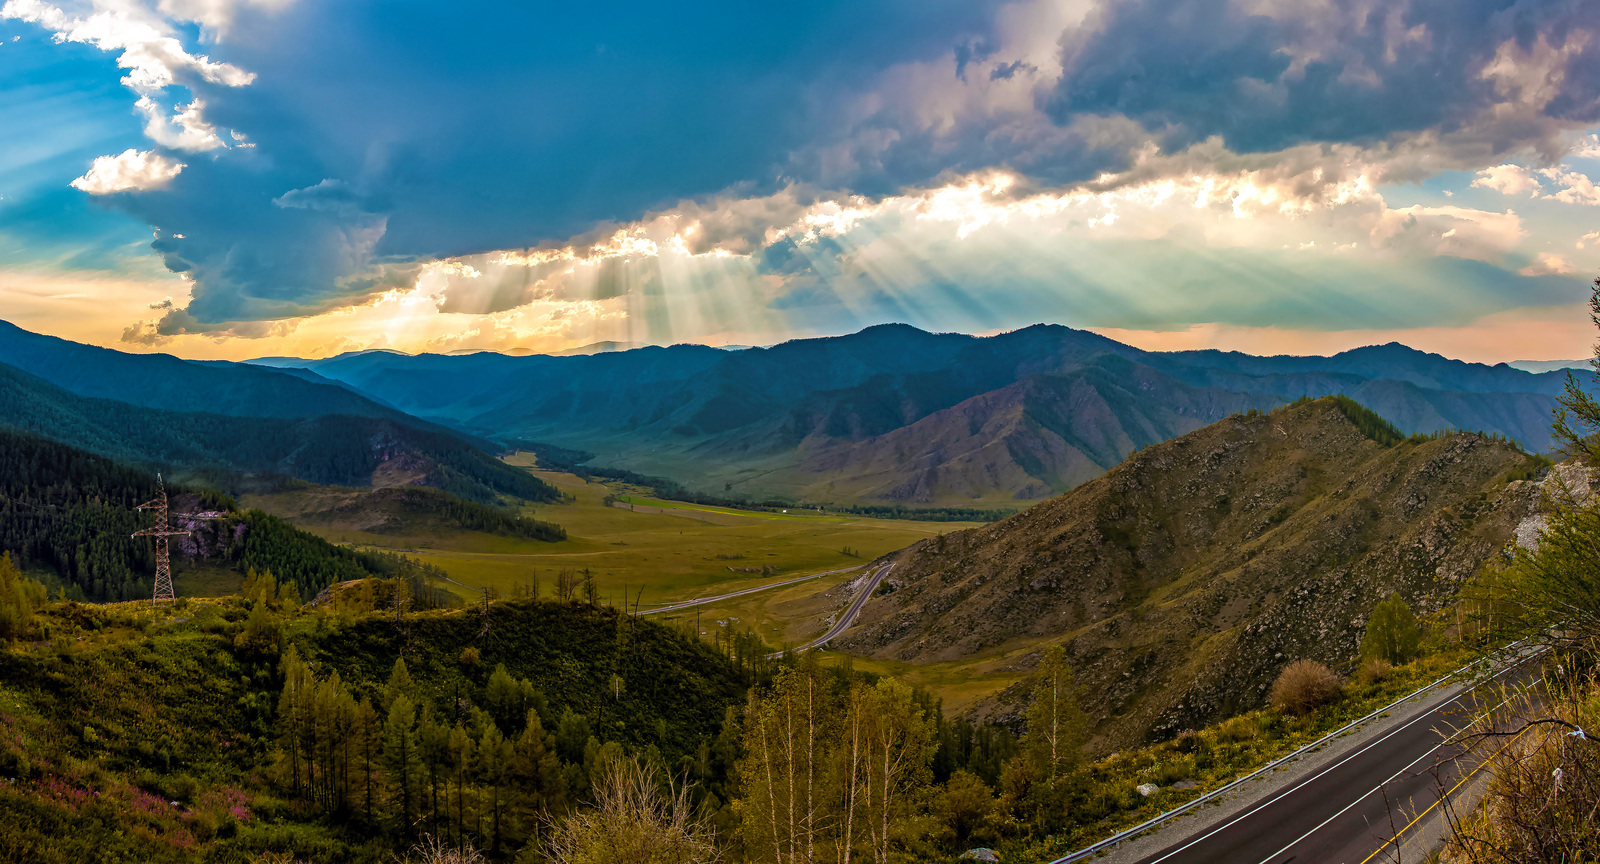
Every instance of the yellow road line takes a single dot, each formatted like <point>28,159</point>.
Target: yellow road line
<point>1396,837</point>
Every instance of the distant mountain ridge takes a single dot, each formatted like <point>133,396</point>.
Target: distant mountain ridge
<point>339,449</point>
<point>896,415</point>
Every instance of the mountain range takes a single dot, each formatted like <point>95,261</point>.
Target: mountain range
<point>1182,581</point>
<point>895,415</point>
<point>219,421</point>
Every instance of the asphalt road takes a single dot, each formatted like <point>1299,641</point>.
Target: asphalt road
<point>850,614</point>
<point>702,601</point>
<point>1347,812</point>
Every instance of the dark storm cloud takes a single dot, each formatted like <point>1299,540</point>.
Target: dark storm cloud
<point>387,134</point>
<point>466,130</point>
<point>1361,73</point>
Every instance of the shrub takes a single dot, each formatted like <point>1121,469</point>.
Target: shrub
<point>1304,686</point>
<point>469,656</point>
<point>1375,670</point>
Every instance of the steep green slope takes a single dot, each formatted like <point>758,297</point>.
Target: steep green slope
<point>72,513</point>
<point>337,449</point>
<point>1183,580</point>
<point>160,736</point>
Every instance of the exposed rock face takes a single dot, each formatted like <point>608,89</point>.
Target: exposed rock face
<point>1186,578</point>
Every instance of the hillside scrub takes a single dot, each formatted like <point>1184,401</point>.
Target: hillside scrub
<point>331,746</point>
<point>366,733</point>
<point>1188,574</point>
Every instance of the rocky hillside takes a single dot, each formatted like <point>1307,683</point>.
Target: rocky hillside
<point>1183,580</point>
<point>894,415</point>
<point>1029,440</point>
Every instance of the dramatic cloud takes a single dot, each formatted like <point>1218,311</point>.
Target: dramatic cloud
<point>1508,180</point>
<point>690,170</point>
<point>155,61</point>
<point>132,171</point>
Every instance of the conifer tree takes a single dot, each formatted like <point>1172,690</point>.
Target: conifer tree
<point>494,768</point>
<point>401,760</point>
<point>19,597</point>
<point>399,685</point>
<point>1577,422</point>
<point>294,713</point>
<point>461,765</point>
<point>368,734</point>
<point>536,772</point>
<point>433,741</point>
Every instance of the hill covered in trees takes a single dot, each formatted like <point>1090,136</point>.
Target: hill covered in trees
<point>339,449</point>
<point>72,514</point>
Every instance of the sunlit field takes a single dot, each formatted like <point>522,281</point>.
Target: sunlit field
<point>651,550</point>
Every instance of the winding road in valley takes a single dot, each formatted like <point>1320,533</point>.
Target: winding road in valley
<point>850,614</point>
<point>704,600</point>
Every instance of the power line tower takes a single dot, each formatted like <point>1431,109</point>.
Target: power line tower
<point>162,531</point>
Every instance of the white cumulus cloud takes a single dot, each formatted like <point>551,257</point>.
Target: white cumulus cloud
<point>1548,264</point>
<point>154,60</point>
<point>131,171</point>
<point>1508,180</point>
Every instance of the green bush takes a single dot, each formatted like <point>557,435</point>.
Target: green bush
<point>1392,633</point>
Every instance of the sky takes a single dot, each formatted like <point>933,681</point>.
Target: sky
<point>227,179</point>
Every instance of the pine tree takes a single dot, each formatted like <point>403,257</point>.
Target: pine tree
<point>399,685</point>
<point>368,735</point>
<point>19,597</point>
<point>294,708</point>
<point>401,760</point>
<point>536,773</point>
<point>495,754</point>
<point>433,741</point>
<point>461,764</point>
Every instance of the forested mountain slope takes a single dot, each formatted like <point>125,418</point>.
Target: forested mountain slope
<point>191,735</point>
<point>338,449</point>
<point>164,381</point>
<point>1184,579</point>
<point>72,513</point>
<point>896,415</point>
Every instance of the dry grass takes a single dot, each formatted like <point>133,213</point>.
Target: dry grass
<point>1543,799</point>
<point>1375,670</point>
<point>633,822</point>
<point>1304,686</point>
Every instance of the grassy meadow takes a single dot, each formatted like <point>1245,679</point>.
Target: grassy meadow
<point>657,551</point>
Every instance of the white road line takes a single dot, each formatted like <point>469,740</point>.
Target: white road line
<point>1280,796</point>
<point>1363,796</point>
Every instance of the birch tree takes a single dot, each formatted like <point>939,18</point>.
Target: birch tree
<point>1056,726</point>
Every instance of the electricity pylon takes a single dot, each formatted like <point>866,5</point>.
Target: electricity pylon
<point>161,531</point>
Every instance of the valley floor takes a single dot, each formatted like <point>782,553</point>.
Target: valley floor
<point>649,551</point>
